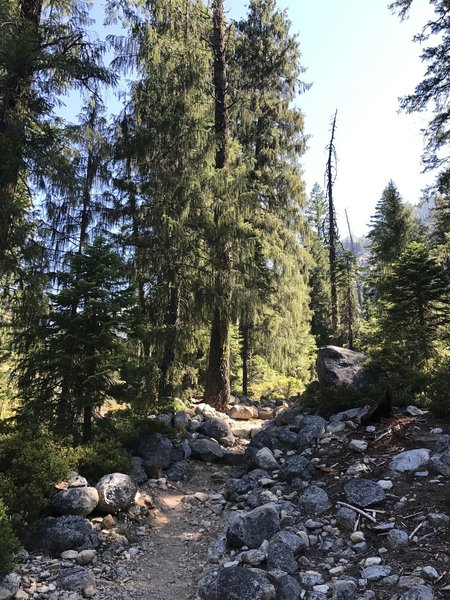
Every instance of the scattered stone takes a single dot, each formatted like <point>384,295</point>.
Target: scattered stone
<point>344,590</point>
<point>280,556</point>
<point>421,592</point>
<point>429,573</point>
<point>411,460</point>
<point>233,583</point>
<point>314,501</point>
<point>240,411</point>
<point>376,572</point>
<point>363,492</point>
<point>252,528</point>
<point>358,445</point>
<point>297,467</point>
<point>441,463</point>
<point>288,588</point>
<point>264,459</point>
<point>397,537</point>
<point>311,427</point>
<point>116,492</point>
<point>77,579</point>
<point>414,411</point>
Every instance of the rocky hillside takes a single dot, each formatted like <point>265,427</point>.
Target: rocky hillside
<point>277,505</point>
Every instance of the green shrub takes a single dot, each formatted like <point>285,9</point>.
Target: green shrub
<point>331,400</point>
<point>31,463</point>
<point>9,542</point>
<point>266,382</point>
<point>102,457</point>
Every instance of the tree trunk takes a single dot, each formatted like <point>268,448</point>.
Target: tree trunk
<point>332,233</point>
<point>87,424</point>
<point>18,83</point>
<point>217,384</point>
<point>171,333</point>
<point>245,355</point>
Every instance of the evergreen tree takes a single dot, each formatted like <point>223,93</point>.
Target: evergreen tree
<point>265,77</point>
<point>433,91</point>
<point>319,279</point>
<point>392,227</point>
<point>347,280</point>
<point>44,52</point>
<point>79,354</point>
<point>415,306</point>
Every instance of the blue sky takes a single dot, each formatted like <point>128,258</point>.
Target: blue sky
<point>360,59</point>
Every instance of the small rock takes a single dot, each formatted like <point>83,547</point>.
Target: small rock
<point>314,501</point>
<point>414,411</point>
<point>411,460</point>
<point>358,445</point>
<point>397,537</point>
<point>430,573</point>
<point>363,492</point>
<point>421,592</point>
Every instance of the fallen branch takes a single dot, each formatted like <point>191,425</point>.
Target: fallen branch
<point>419,526</point>
<point>358,510</point>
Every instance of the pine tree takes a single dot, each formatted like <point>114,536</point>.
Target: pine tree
<point>347,283</point>
<point>264,80</point>
<point>44,52</point>
<point>78,354</point>
<point>415,304</point>
<point>392,227</point>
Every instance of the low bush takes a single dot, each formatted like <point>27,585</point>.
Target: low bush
<point>102,457</point>
<point>8,541</point>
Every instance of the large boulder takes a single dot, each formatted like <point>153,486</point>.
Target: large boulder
<point>218,429</point>
<point>206,449</point>
<point>339,366</point>
<point>241,411</point>
<point>156,450</point>
<point>76,501</point>
<point>253,527</point>
<point>68,532</point>
<point>116,492</point>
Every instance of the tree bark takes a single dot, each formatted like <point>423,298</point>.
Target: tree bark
<point>332,233</point>
<point>217,384</point>
<point>245,355</point>
<point>171,332</point>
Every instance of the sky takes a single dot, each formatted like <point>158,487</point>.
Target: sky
<point>360,59</point>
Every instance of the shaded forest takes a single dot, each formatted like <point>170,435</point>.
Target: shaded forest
<point>170,250</point>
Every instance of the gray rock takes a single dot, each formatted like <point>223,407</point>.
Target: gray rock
<point>311,428</point>
<point>218,429</point>
<point>238,487</point>
<point>288,588</point>
<point>346,518</point>
<point>264,459</point>
<point>280,556</point>
<point>311,578</point>
<point>85,557</point>
<point>411,460</point>
<point>206,449</point>
<point>116,492</point>
<point>376,572</point>
<point>66,533</point>
<point>295,542</point>
<point>397,537</point>
<point>6,594</point>
<point>338,366</point>
<point>252,528</point>
<point>430,573</point>
<point>76,501</point>
<point>267,438</point>
<point>438,519</point>
<point>177,471</point>
<point>363,492</point>
<point>217,550</point>
<point>347,415</point>
<point>77,481</point>
<point>420,592</point>
<point>344,590</point>
<point>242,412</point>
<point>253,558</point>
<point>234,583</point>
<point>139,475</point>
<point>77,579</point>
<point>297,467</point>
<point>358,445</point>
<point>414,411</point>
<point>441,463</point>
<point>314,501</point>
<point>156,449</point>
<point>181,420</point>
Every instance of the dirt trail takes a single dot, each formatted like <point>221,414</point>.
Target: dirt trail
<point>175,551</point>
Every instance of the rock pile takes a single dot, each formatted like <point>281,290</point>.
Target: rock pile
<point>309,508</point>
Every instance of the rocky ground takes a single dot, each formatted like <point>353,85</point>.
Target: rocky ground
<point>313,509</point>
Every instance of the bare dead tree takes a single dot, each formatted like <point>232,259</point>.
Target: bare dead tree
<point>332,234</point>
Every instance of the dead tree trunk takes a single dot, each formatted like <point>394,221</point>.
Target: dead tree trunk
<point>332,234</point>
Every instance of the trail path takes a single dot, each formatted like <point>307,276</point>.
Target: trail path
<point>175,552</point>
